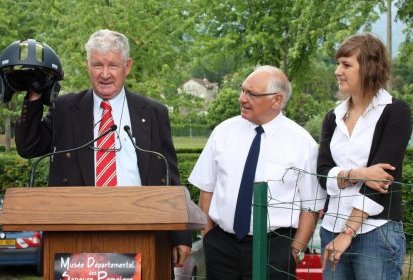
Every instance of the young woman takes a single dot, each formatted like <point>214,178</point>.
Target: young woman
<point>360,159</point>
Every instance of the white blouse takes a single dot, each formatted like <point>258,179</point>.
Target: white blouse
<point>352,152</point>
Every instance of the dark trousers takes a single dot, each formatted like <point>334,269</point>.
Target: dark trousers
<point>228,258</point>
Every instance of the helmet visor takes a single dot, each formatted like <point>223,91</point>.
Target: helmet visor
<point>24,78</point>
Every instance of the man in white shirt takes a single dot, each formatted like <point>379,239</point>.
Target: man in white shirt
<point>295,197</point>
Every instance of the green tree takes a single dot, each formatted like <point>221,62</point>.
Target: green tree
<point>300,37</point>
<point>282,33</point>
<point>403,66</point>
<point>405,11</point>
<point>172,40</point>
<point>185,107</point>
<point>223,107</point>
<point>226,104</point>
<point>156,31</point>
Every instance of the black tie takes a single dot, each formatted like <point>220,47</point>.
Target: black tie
<point>242,217</point>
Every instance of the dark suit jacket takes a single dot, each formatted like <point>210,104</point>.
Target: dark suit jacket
<point>72,123</point>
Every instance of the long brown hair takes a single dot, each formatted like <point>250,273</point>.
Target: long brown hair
<point>373,60</point>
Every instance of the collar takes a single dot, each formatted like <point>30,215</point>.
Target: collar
<point>382,98</point>
<point>114,102</point>
<point>269,126</point>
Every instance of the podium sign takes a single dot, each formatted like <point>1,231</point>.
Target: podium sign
<point>97,266</point>
<point>121,220</point>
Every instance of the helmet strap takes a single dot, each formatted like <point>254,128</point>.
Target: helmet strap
<point>49,97</point>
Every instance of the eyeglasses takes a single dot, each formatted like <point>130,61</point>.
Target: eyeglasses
<point>115,149</point>
<point>253,96</point>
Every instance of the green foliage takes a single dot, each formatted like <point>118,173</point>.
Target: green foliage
<point>14,171</point>
<point>174,40</point>
<point>407,196</point>
<point>405,11</point>
<point>406,94</point>
<point>155,29</point>
<point>213,66</point>
<point>403,66</point>
<point>317,78</point>
<point>186,109</point>
<point>313,126</point>
<point>303,107</point>
<point>223,107</point>
<point>186,163</point>
<point>260,32</point>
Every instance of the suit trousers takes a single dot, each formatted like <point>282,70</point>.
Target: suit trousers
<point>228,258</point>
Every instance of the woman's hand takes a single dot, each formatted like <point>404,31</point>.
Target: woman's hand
<point>375,176</point>
<point>335,249</point>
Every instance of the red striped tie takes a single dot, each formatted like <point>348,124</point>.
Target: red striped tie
<point>106,160</point>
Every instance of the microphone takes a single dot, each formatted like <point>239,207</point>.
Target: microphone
<point>33,169</point>
<point>167,179</point>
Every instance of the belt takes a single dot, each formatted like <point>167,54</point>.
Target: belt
<point>289,231</point>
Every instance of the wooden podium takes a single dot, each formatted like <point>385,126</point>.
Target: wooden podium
<point>104,220</point>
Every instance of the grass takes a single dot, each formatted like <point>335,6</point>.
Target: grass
<point>181,142</point>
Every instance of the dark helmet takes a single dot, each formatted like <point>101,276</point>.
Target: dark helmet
<point>30,65</point>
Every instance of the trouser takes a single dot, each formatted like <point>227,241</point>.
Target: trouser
<point>228,258</point>
<point>375,255</point>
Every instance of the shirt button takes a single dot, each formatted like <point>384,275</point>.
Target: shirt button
<point>68,155</point>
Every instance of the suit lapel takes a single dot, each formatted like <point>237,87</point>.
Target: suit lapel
<point>141,129</point>
<point>82,115</point>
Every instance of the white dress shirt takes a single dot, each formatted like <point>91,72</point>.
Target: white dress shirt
<point>352,152</point>
<point>127,170</point>
<point>284,144</point>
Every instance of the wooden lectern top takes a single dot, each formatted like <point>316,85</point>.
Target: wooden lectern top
<point>105,209</point>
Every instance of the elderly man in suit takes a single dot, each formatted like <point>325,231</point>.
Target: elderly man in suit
<point>77,118</point>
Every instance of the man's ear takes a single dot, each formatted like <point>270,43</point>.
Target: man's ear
<point>128,65</point>
<point>278,100</point>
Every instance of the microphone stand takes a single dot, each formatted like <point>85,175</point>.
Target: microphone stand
<point>33,169</point>
<point>167,179</point>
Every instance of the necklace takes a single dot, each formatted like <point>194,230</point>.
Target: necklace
<point>346,115</point>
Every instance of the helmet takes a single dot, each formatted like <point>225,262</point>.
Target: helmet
<point>30,65</point>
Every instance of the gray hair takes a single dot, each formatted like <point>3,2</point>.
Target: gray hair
<point>105,41</point>
<point>278,82</point>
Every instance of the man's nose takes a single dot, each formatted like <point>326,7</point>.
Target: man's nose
<point>105,72</point>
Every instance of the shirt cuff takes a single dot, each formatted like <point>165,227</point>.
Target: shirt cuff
<point>315,204</point>
<point>367,205</point>
<point>332,186</point>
